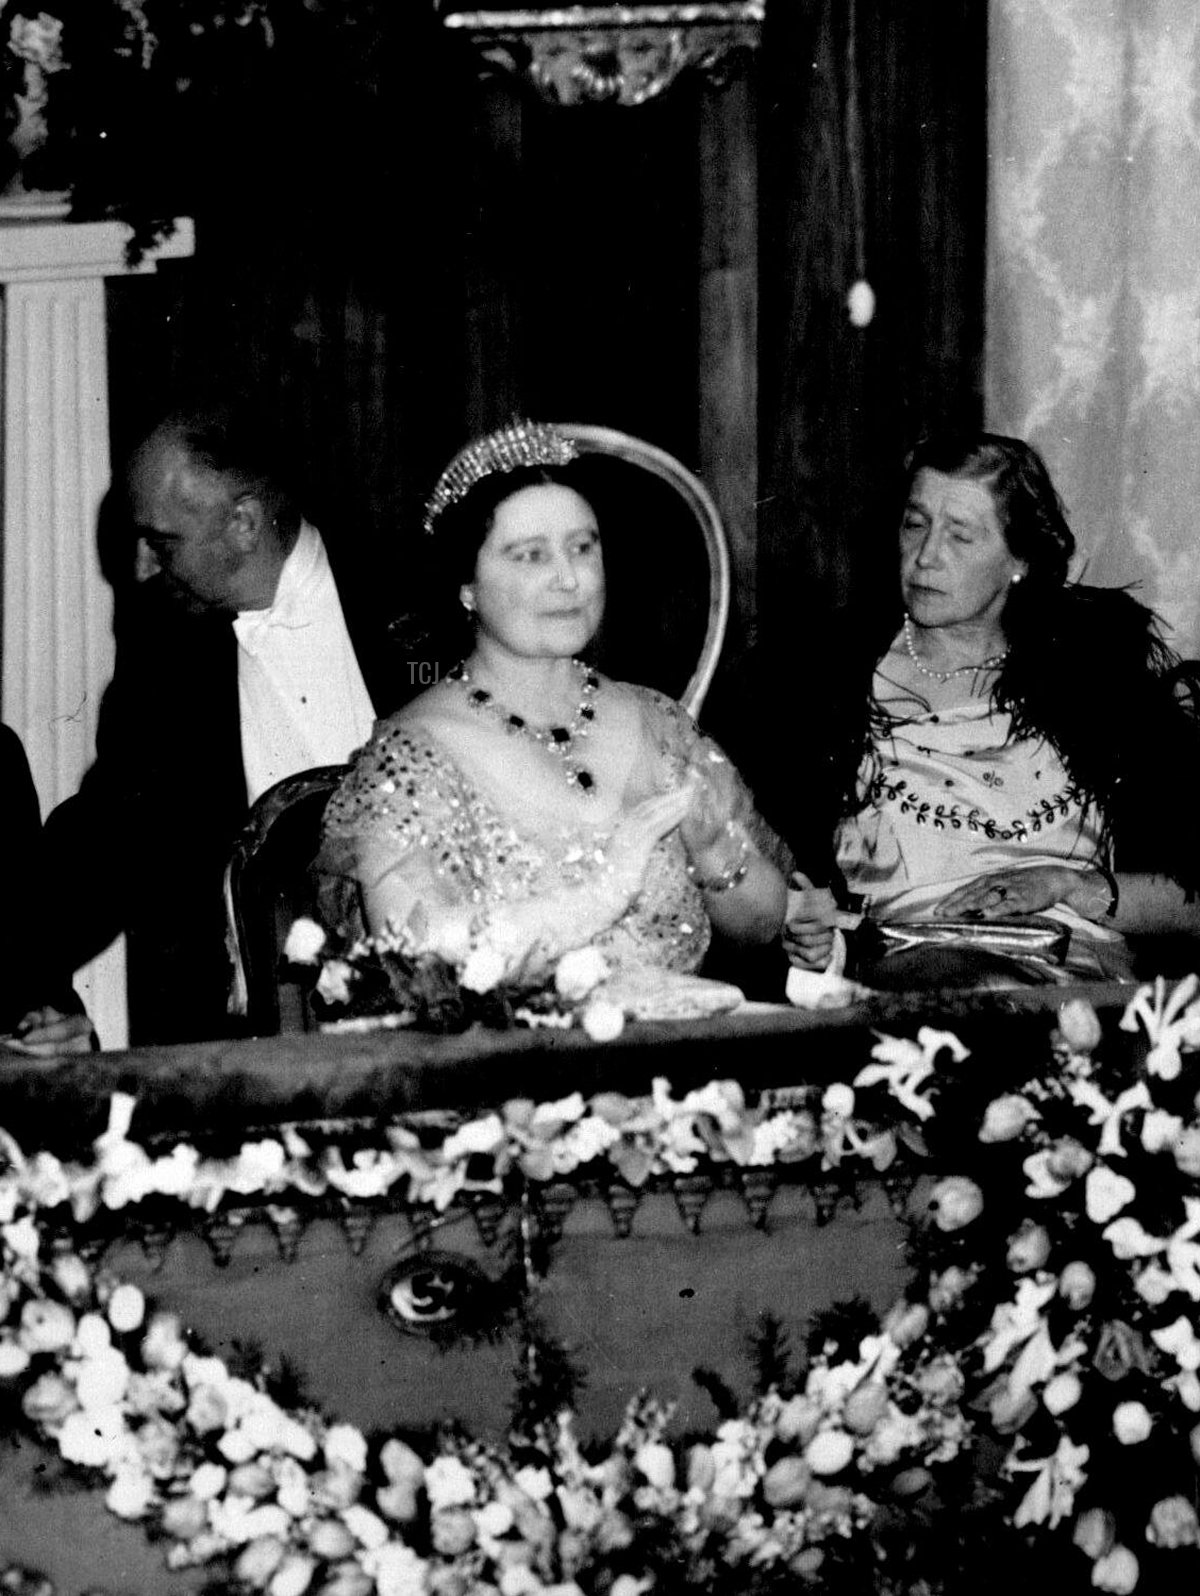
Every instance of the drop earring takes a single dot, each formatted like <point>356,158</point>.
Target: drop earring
<point>467,599</point>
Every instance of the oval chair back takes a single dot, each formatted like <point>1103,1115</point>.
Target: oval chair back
<point>268,880</point>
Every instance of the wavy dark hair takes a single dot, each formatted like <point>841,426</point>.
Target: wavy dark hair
<point>1087,668</point>
<point>441,629</point>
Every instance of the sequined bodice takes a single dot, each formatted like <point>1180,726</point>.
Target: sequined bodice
<point>405,787</point>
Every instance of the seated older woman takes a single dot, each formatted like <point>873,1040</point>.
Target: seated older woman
<point>523,799</point>
<point>1011,761</point>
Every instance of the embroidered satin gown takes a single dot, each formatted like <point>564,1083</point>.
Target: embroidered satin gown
<point>460,839</point>
<point>951,798</point>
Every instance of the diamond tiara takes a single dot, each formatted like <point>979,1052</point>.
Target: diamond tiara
<point>521,443</point>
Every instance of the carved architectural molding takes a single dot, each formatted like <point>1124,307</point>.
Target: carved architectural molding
<point>578,55</point>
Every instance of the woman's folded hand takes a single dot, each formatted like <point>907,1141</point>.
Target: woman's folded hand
<point>1001,894</point>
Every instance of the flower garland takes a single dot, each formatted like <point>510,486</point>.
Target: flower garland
<point>368,982</point>
<point>1050,1335</point>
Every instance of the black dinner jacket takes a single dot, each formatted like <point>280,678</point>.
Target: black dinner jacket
<point>33,968</point>
<point>142,847</point>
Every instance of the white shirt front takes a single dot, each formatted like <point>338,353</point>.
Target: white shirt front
<point>301,694</point>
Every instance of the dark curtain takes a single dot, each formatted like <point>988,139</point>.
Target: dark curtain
<point>839,405</point>
<point>397,254</point>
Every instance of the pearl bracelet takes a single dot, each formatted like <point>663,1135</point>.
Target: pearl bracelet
<point>733,875</point>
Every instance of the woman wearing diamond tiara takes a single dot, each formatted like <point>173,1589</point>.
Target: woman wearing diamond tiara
<point>1005,745</point>
<point>523,801</point>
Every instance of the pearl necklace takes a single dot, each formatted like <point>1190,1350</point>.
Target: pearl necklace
<point>992,663</point>
<point>557,740</point>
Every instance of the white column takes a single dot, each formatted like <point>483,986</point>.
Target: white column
<point>57,608</point>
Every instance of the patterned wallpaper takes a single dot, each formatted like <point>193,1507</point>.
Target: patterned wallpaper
<point>1093,295</point>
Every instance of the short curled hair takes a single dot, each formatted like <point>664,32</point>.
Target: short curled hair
<point>448,556</point>
<point>1028,506</point>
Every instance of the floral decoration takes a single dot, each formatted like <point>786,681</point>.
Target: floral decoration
<point>1032,1404</point>
<point>364,982</point>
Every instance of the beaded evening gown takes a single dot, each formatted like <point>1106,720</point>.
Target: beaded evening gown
<point>457,842</point>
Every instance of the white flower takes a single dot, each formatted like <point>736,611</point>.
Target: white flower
<point>1182,1342</point>
<point>602,1020</point>
<point>401,1464</point>
<point>449,1483</point>
<point>93,1438</point>
<point>102,1381</point>
<point>1062,1393</point>
<point>1131,1423</point>
<point>551,1116</point>
<point>396,1570</point>
<point>304,941</point>
<point>1077,1284</point>
<point>208,1481</point>
<point>1160,1130</point>
<point>14,1359</point>
<point>130,1494</point>
<point>829,1452</point>
<point>1006,1117</point>
<point>1052,1494</point>
<point>366,1527</point>
<point>1186,1148</point>
<point>578,971</point>
<point>258,1561</point>
<point>293,1576</point>
<point>906,1066</point>
<point>21,1237</point>
<point>477,1136</point>
<point>184,1517</point>
<point>536,1483</point>
<point>1109,1114</point>
<point>46,1326</point>
<point>494,1520</point>
<point>346,1445</point>
<point>838,1100</point>
<point>1107,1194</point>
<point>657,1463</point>
<point>1117,1571</point>
<point>333,983</point>
<point>1028,1248</point>
<point>92,1337</point>
<point>1173,1523</point>
<point>1014,1322</point>
<point>1171,1023</point>
<point>484,969</point>
<point>1154,1285</point>
<point>126,1308</point>
<point>71,1275</point>
<point>955,1202</point>
<point>1094,1532</point>
<point>1079,1025</point>
<point>330,1541</point>
<point>163,1346</point>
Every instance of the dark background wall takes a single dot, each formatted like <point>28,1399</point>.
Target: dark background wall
<point>396,252</point>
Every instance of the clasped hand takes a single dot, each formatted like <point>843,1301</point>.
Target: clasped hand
<point>702,807</point>
<point>713,790</point>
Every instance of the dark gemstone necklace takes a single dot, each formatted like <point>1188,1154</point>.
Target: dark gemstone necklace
<point>557,740</point>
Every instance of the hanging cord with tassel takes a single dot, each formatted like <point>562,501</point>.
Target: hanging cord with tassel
<point>860,301</point>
